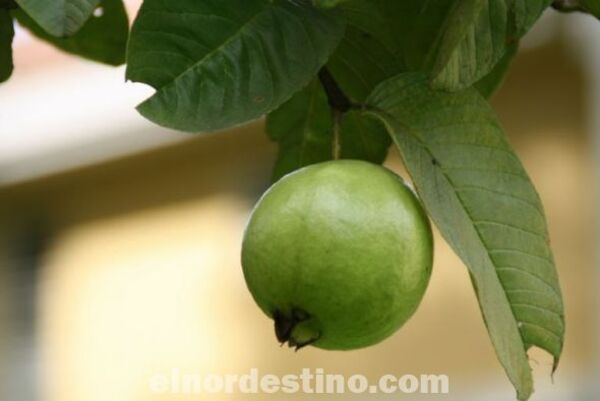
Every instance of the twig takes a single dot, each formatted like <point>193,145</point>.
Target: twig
<point>8,5</point>
<point>336,97</point>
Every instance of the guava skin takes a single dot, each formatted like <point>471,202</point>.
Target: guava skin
<point>339,254</point>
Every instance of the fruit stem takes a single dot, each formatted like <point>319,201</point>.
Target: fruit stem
<point>336,146</point>
<point>339,103</point>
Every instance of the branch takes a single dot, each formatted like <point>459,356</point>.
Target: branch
<point>336,97</point>
<point>568,6</point>
<point>8,5</point>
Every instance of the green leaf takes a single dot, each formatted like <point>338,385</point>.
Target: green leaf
<point>475,37</point>
<point>488,85</point>
<point>6,37</point>
<point>479,195</point>
<point>102,38</point>
<point>527,12</point>
<point>363,138</point>
<point>471,44</point>
<point>369,53</point>
<point>303,128</point>
<point>220,63</point>
<point>417,25</point>
<point>59,17</point>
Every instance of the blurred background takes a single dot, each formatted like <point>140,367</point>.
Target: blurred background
<point>120,241</point>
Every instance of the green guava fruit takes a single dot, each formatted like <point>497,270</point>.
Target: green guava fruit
<point>339,254</point>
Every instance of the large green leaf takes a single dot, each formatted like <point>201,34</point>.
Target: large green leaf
<point>102,38</point>
<point>220,63</point>
<point>477,192</point>
<point>369,53</point>
<point>59,17</point>
<point>6,37</point>
<point>363,138</point>
<point>303,128</point>
<point>462,42</point>
<point>475,37</point>
<point>417,25</point>
<point>471,44</point>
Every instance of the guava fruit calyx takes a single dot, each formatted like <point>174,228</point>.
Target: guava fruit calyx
<point>298,329</point>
